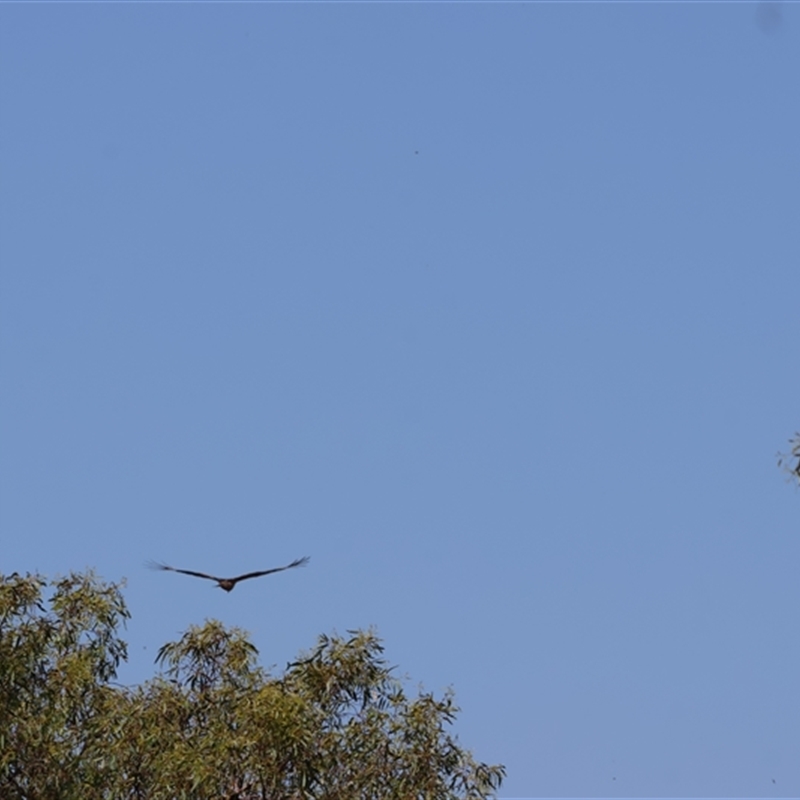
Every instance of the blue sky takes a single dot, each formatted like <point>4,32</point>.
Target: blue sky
<point>489,309</point>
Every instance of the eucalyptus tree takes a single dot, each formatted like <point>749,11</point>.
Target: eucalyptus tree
<point>212,723</point>
<point>790,461</point>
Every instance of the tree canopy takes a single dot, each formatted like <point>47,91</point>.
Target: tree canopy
<point>212,724</point>
<point>791,461</point>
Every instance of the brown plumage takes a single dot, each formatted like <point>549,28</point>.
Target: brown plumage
<point>228,583</point>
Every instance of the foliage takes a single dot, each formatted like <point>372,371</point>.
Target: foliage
<point>212,724</point>
<point>785,459</point>
<point>55,668</point>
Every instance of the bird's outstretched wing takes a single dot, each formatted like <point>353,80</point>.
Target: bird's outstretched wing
<point>300,562</point>
<point>156,565</point>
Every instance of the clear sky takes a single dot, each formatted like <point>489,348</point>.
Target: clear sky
<point>491,310</point>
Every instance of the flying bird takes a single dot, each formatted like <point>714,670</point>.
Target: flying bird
<point>228,583</point>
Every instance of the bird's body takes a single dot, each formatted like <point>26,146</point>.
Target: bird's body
<point>228,583</point>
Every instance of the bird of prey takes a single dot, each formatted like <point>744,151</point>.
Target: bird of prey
<point>228,583</point>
